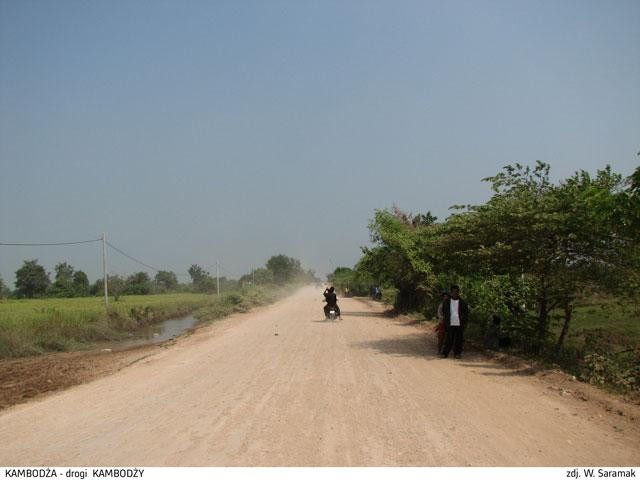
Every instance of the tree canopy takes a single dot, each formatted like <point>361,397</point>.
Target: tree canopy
<point>32,280</point>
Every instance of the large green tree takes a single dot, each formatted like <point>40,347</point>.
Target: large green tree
<point>401,255</point>
<point>201,280</point>
<point>138,283</point>
<point>32,280</point>
<point>80,283</point>
<point>197,273</point>
<point>285,269</point>
<point>166,281</point>
<point>258,276</point>
<point>115,286</point>
<point>63,283</point>
<point>558,236</point>
<point>353,281</point>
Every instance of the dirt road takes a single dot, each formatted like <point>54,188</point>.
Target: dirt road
<point>367,390</point>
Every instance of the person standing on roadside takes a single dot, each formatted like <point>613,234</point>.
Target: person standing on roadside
<point>456,315</point>
<point>440,328</point>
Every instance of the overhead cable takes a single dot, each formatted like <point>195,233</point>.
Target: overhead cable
<point>132,258</point>
<point>141,262</point>
<point>48,244</point>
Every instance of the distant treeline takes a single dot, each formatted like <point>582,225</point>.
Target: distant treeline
<point>33,281</point>
<point>535,248</point>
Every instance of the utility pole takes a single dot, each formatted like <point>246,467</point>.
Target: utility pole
<point>104,269</point>
<point>217,277</point>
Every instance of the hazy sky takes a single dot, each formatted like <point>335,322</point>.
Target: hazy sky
<point>234,130</point>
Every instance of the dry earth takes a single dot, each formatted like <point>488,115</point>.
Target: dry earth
<point>281,386</point>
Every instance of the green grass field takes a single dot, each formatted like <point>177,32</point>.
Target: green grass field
<point>620,322</point>
<point>34,326</point>
<point>602,346</point>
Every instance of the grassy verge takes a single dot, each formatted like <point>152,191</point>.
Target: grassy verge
<point>31,327</point>
<point>603,346</point>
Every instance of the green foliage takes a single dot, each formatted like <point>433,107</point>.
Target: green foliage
<point>558,236</point>
<point>202,282</point>
<point>507,297</point>
<point>4,290</point>
<point>602,365</point>
<point>285,269</point>
<point>137,284</point>
<point>198,274</point>
<point>115,286</point>
<point>166,281</point>
<point>401,257</point>
<point>69,282</point>
<point>63,283</point>
<point>31,280</point>
<point>260,276</point>
<point>351,281</point>
<point>80,283</point>
<point>530,254</point>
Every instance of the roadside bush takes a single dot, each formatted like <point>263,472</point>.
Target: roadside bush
<point>601,365</point>
<point>353,281</point>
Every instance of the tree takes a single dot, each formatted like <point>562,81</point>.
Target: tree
<point>4,290</point>
<point>63,284</point>
<point>259,276</point>
<point>166,281</point>
<point>197,273</point>
<point>80,283</point>
<point>285,269</point>
<point>401,255</point>
<point>115,286</point>
<point>355,281</point>
<point>558,236</point>
<point>31,280</point>
<point>202,281</point>
<point>138,283</point>
<point>64,271</point>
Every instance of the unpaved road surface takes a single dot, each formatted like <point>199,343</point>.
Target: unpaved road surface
<point>365,391</point>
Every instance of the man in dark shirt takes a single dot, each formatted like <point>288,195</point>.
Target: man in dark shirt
<point>332,301</point>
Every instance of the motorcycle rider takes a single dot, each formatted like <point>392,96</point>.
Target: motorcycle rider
<point>332,302</point>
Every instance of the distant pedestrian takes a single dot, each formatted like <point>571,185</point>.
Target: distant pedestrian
<point>441,327</point>
<point>377,293</point>
<point>456,316</point>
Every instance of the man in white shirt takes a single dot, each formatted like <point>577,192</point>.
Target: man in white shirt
<point>456,315</point>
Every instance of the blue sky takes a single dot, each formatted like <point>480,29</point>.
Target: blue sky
<point>195,131</point>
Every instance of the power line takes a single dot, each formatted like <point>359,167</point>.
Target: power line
<point>120,251</point>
<point>229,272</point>
<point>48,244</point>
<point>140,261</point>
<point>132,258</point>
